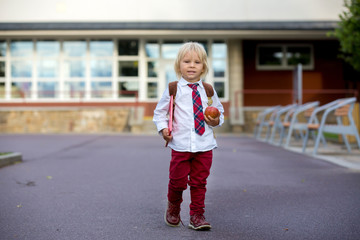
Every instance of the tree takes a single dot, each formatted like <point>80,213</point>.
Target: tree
<point>348,33</point>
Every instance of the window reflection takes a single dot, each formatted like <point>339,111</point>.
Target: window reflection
<point>219,49</point>
<point>101,89</point>
<point>220,89</point>
<point>170,74</point>
<point>21,48</point>
<point>47,48</point>
<point>128,68</point>
<point>21,89</point>
<point>128,89</point>
<point>21,68</point>
<point>152,49</point>
<point>219,68</point>
<point>152,90</point>
<point>128,47</point>
<point>171,48</point>
<point>48,89</point>
<point>101,48</point>
<point>74,68</point>
<point>296,55</point>
<point>270,56</point>
<point>47,68</point>
<point>101,68</point>
<point>153,69</point>
<point>75,64</point>
<point>74,89</point>
<point>2,69</point>
<point>74,48</point>
<point>2,48</point>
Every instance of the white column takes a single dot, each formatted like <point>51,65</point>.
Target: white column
<point>87,71</point>
<point>61,71</point>
<point>34,76</point>
<point>115,69</point>
<point>236,81</point>
<point>7,71</point>
<point>142,70</point>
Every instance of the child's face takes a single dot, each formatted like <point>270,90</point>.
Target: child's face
<point>191,67</point>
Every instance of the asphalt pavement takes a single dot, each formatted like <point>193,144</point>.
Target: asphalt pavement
<point>114,187</point>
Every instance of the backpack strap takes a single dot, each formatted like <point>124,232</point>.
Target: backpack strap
<point>173,88</point>
<point>208,89</point>
<point>209,92</point>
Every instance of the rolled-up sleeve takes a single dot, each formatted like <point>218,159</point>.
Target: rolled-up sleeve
<point>161,111</point>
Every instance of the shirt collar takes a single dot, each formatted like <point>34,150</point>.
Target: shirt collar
<point>183,82</point>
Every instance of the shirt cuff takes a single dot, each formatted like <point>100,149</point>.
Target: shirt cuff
<point>161,126</point>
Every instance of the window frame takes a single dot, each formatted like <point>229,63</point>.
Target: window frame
<point>222,79</point>
<point>61,79</point>
<point>122,79</point>
<point>284,65</point>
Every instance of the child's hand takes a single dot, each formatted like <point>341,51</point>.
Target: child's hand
<point>166,136</point>
<point>212,121</point>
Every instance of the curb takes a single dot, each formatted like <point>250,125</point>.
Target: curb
<point>340,161</point>
<point>9,159</point>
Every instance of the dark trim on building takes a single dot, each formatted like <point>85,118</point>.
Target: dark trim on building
<point>251,25</point>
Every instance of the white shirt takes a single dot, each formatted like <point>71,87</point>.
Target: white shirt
<point>185,139</point>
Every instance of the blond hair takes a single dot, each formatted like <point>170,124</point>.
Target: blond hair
<point>199,50</point>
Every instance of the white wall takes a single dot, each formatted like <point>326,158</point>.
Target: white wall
<point>168,10</point>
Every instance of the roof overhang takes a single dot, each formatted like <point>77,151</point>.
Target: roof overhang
<point>245,30</point>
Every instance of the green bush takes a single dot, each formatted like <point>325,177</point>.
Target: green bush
<point>348,33</point>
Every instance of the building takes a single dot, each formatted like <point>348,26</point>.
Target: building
<point>65,67</point>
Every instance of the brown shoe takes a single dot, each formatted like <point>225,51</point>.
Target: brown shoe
<point>198,222</point>
<point>172,215</point>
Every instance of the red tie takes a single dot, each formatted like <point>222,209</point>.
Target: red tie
<point>198,110</point>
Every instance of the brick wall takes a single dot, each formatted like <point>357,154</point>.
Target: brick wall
<point>91,120</point>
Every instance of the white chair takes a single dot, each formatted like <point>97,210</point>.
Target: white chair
<point>277,125</point>
<point>296,123</point>
<point>263,120</point>
<point>341,108</point>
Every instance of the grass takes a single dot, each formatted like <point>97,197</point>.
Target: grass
<point>332,136</point>
<point>4,153</point>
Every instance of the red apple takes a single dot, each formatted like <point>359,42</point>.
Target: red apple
<point>212,112</point>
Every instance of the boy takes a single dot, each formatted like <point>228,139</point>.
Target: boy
<point>192,139</point>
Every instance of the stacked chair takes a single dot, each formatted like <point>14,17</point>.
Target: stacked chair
<point>309,119</point>
<point>278,123</point>
<point>263,121</point>
<point>296,123</point>
<point>341,108</point>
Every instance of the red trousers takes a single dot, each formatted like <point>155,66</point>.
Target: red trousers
<point>193,169</point>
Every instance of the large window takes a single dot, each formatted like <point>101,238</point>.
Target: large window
<point>170,49</point>
<point>101,69</point>
<point>48,68</point>
<point>74,69</point>
<point>152,51</point>
<point>160,57</point>
<point>21,89</point>
<point>219,66</point>
<point>74,59</point>
<point>284,57</point>
<point>22,61</point>
<point>128,68</point>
